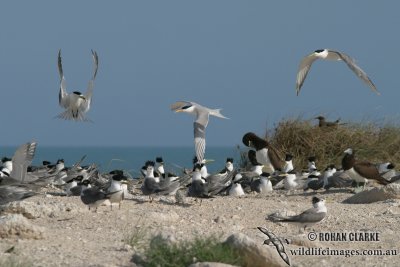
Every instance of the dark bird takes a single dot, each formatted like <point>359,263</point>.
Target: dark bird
<point>92,196</point>
<point>266,154</point>
<point>361,171</point>
<point>323,123</point>
<point>15,192</point>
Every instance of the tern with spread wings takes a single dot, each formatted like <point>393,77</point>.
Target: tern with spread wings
<point>75,104</point>
<point>327,54</point>
<point>202,115</point>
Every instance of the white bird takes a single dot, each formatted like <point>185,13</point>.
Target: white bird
<point>21,160</point>
<point>236,190</point>
<point>202,115</point>
<point>75,104</point>
<point>328,54</point>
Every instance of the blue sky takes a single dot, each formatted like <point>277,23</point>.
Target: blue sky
<point>241,56</point>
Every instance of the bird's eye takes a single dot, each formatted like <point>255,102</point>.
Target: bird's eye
<point>186,107</point>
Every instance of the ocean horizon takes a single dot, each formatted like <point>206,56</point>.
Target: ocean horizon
<point>130,158</point>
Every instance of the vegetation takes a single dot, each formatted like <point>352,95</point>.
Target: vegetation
<point>136,236</point>
<point>302,138</point>
<point>176,254</point>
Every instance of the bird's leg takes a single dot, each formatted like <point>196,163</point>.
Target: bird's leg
<point>358,188</point>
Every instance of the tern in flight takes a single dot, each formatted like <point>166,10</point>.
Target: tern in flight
<point>202,115</point>
<point>327,54</point>
<point>75,104</point>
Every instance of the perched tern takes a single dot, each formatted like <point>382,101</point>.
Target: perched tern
<point>307,218</point>
<point>75,104</point>
<point>202,116</point>
<point>327,54</point>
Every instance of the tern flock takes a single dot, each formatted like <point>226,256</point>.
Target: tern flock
<point>265,172</point>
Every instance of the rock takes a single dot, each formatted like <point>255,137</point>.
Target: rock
<point>32,210</point>
<point>16,225</point>
<point>390,191</point>
<point>254,254</point>
<point>210,264</point>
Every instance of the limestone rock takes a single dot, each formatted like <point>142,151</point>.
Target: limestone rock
<point>254,254</point>
<point>390,191</point>
<point>32,210</point>
<point>16,225</point>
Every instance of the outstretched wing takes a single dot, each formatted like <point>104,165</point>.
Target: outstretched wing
<point>22,159</point>
<point>277,243</point>
<point>86,106</point>
<point>304,68</point>
<point>199,140</point>
<point>356,69</point>
<point>63,99</point>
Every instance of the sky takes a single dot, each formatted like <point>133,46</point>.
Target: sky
<point>241,56</point>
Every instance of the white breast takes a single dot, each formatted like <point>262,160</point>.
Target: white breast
<point>236,190</point>
<point>262,157</point>
<point>265,185</point>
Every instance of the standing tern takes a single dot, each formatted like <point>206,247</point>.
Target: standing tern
<point>75,104</point>
<point>202,115</point>
<point>327,54</point>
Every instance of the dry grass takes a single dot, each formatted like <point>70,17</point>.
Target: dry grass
<point>302,138</point>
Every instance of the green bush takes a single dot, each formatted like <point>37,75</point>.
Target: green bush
<point>160,254</point>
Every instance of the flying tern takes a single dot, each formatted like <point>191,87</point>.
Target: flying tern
<point>75,104</point>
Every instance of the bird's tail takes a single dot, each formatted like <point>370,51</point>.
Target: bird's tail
<point>276,217</point>
<point>217,113</point>
<point>70,115</point>
<point>382,180</point>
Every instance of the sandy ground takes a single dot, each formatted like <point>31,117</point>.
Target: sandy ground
<point>86,238</point>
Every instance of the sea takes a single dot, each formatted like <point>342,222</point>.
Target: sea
<point>131,159</point>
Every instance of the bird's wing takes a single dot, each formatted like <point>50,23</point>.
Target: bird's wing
<point>63,99</point>
<point>273,155</point>
<point>91,195</point>
<point>304,68</point>
<point>199,140</point>
<point>369,171</point>
<point>356,69</point>
<point>86,105</point>
<point>22,159</point>
<point>9,193</point>
<point>309,216</point>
